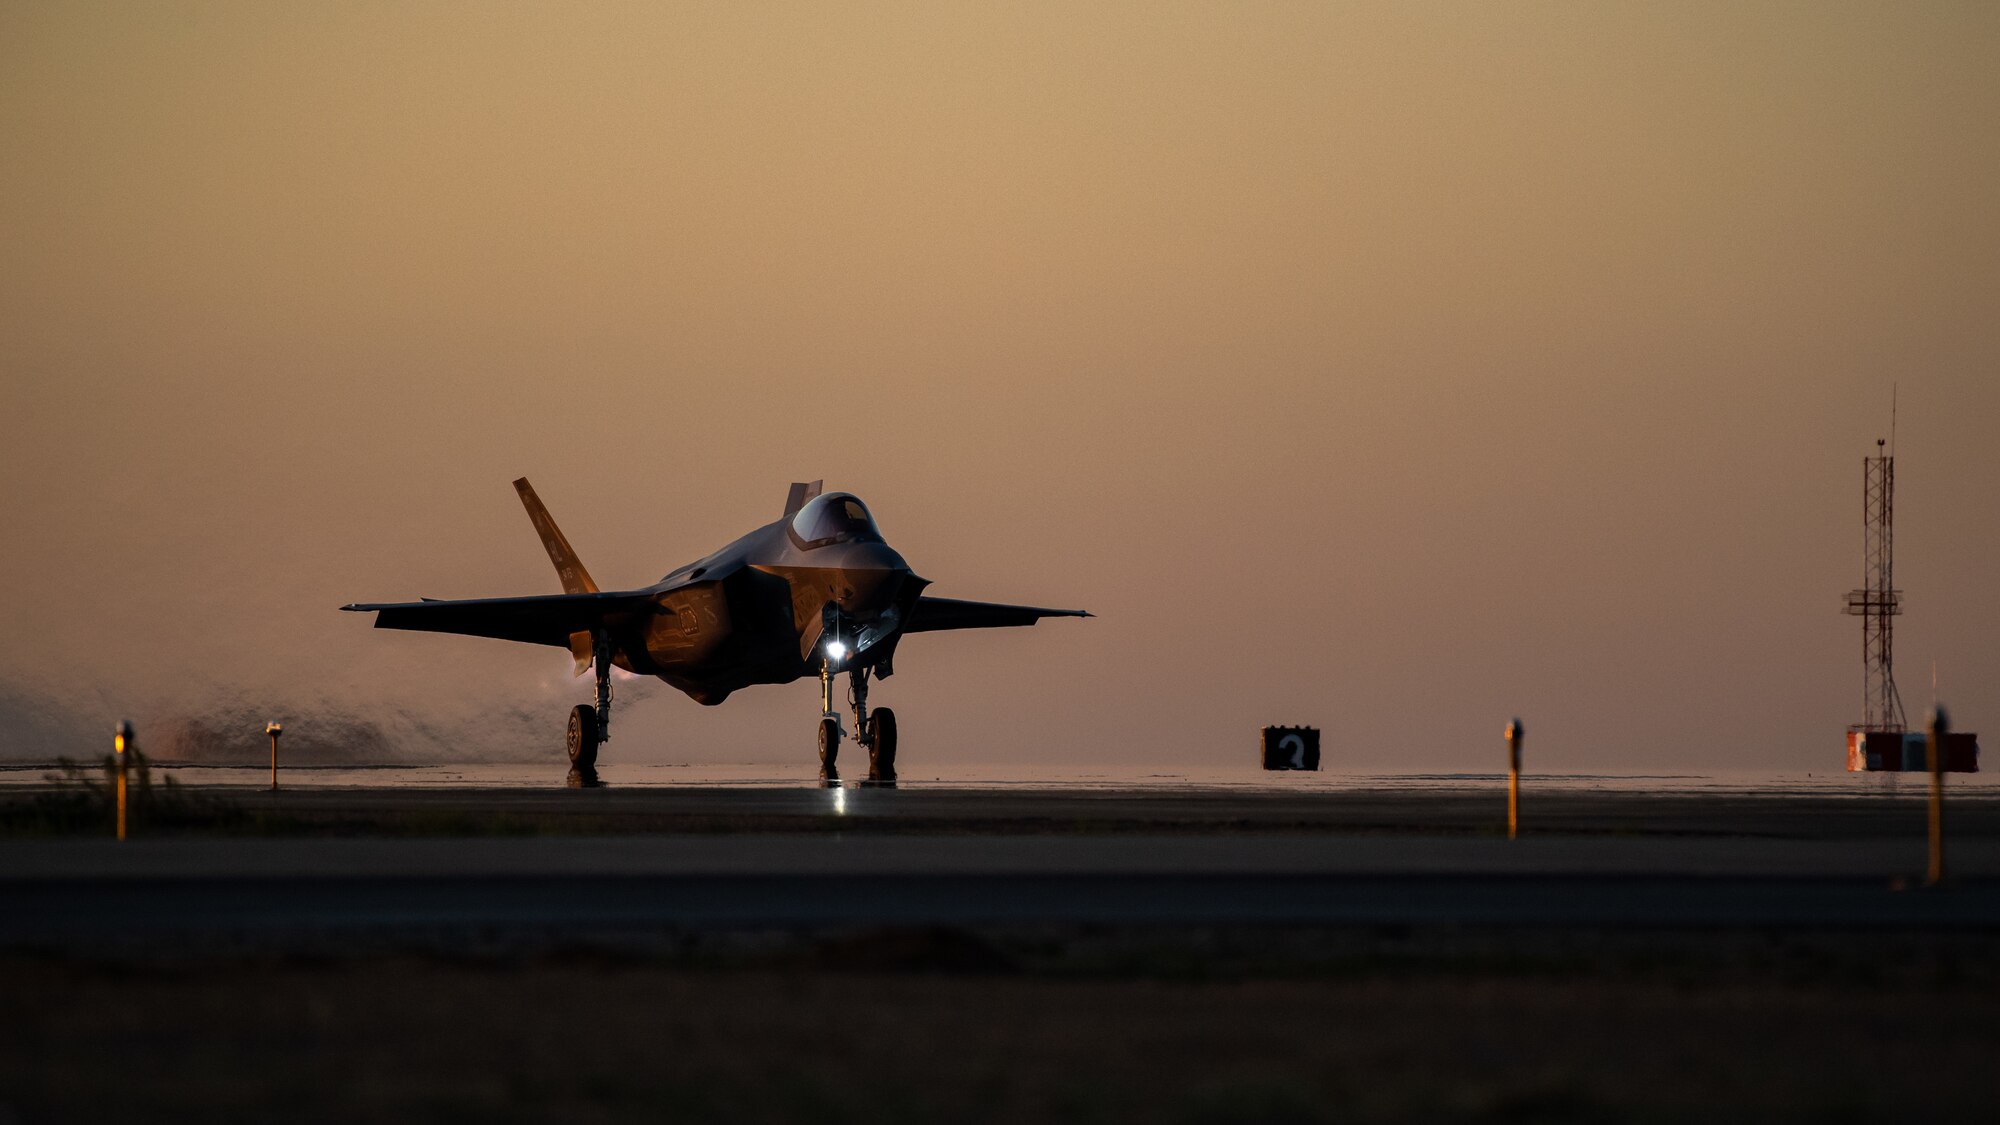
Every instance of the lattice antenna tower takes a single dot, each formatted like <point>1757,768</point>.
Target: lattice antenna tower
<point>1878,602</point>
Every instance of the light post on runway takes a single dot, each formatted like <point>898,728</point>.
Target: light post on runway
<point>1515,734</point>
<point>1934,755</point>
<point>123,741</point>
<point>274,729</point>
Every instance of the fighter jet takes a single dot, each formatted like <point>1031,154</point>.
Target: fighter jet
<point>817,592</point>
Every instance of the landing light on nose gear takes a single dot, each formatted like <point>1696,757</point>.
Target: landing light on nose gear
<point>877,732</point>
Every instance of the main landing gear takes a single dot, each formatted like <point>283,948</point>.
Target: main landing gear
<point>589,726</point>
<point>877,732</point>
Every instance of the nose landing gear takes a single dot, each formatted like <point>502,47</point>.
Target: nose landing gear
<point>881,743</point>
<point>877,732</point>
<point>829,728</point>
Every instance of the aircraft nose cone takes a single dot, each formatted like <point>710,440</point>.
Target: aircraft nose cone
<point>875,556</point>
<point>871,574</point>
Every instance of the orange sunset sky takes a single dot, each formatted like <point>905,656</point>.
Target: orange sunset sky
<point>1396,368</point>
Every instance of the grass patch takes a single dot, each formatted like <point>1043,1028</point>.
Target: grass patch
<point>83,801</point>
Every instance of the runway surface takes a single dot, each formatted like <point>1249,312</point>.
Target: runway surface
<point>739,858</point>
<point>1866,808</point>
<point>850,855</point>
<point>544,952</point>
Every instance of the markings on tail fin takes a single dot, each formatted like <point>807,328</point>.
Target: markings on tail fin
<point>575,579</point>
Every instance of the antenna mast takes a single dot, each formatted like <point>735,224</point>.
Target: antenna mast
<point>1878,602</point>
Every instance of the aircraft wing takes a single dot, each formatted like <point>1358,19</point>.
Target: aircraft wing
<point>550,619</point>
<point>934,614</point>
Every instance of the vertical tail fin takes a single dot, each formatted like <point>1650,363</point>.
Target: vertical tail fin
<point>802,491</point>
<point>575,579</point>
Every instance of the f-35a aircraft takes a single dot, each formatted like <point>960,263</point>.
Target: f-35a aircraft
<point>816,592</point>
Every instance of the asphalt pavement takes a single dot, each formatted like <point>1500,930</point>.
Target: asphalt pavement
<point>168,890</point>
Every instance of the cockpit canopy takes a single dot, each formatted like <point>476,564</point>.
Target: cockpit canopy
<point>833,517</point>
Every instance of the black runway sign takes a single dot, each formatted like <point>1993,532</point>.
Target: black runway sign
<point>1291,748</point>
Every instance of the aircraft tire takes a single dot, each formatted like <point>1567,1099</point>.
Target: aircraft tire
<point>829,747</point>
<point>583,737</point>
<point>882,746</point>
